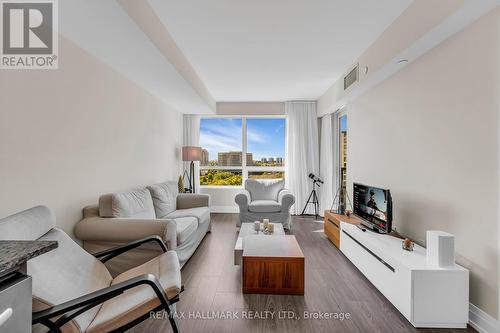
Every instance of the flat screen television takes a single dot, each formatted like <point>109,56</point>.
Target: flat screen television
<point>374,206</point>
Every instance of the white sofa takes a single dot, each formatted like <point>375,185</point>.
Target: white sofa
<point>181,220</point>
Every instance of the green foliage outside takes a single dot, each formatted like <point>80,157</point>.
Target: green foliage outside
<point>266,175</point>
<point>228,177</point>
<point>220,177</point>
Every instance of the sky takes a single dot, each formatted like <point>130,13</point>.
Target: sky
<point>265,136</point>
<point>343,123</point>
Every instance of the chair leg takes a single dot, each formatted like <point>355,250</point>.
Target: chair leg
<point>171,318</point>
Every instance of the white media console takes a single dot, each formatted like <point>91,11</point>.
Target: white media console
<point>427,295</point>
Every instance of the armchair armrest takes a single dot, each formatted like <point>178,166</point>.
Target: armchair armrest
<point>243,199</point>
<point>75,307</point>
<point>192,200</point>
<point>111,253</point>
<point>125,230</point>
<point>286,200</point>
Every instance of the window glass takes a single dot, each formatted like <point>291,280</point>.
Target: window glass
<point>223,146</point>
<point>266,141</point>
<point>212,177</point>
<point>266,175</point>
<point>221,141</point>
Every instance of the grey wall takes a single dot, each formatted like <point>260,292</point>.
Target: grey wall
<point>431,134</point>
<point>69,135</point>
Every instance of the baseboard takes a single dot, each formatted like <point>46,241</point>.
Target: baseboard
<point>224,209</point>
<point>481,321</point>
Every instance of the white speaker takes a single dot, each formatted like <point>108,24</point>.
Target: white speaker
<point>440,248</point>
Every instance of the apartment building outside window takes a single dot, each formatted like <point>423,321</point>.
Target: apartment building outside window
<point>225,140</point>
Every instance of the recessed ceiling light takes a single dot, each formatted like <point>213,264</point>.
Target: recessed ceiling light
<point>403,61</point>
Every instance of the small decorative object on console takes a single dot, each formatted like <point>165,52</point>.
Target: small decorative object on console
<point>407,244</point>
<point>348,213</point>
<point>270,228</point>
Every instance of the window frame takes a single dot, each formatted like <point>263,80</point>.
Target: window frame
<point>244,147</point>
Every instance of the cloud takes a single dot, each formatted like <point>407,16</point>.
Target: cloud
<point>256,137</point>
<point>220,135</point>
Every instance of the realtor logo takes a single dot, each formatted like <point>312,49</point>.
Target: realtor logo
<point>29,38</point>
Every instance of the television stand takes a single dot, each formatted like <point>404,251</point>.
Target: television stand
<point>428,296</point>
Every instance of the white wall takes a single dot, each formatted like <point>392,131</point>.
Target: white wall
<point>251,108</point>
<point>69,135</point>
<point>222,199</point>
<point>430,133</point>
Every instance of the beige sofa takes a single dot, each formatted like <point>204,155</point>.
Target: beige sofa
<point>181,220</point>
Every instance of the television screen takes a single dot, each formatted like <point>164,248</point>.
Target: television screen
<point>373,205</point>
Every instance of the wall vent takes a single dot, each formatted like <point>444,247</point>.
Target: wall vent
<point>351,77</point>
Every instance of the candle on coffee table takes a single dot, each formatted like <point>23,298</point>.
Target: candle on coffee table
<point>266,223</point>
<point>256,226</point>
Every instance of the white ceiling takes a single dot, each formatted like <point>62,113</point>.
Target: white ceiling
<point>272,50</point>
<point>105,30</point>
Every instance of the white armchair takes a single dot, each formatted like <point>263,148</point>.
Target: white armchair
<point>265,199</point>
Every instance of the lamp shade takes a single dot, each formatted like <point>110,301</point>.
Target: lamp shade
<point>191,153</point>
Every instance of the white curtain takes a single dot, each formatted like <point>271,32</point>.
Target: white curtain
<point>191,137</point>
<point>301,151</point>
<point>329,163</point>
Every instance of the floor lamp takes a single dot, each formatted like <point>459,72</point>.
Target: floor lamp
<point>191,154</point>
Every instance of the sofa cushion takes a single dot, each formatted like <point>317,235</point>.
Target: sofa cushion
<point>164,197</point>
<point>135,302</point>
<point>186,226</point>
<point>137,203</point>
<point>201,213</point>
<point>264,206</point>
<point>264,189</point>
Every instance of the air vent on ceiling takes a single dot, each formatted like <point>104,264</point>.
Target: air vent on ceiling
<point>351,77</point>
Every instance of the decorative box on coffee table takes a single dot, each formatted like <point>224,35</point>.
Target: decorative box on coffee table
<point>273,265</point>
<point>248,229</point>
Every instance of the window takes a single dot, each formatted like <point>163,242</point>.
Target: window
<point>343,157</point>
<point>224,142</point>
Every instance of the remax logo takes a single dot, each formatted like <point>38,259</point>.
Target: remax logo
<point>29,34</point>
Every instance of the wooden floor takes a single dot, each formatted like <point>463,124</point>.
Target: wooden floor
<point>333,285</point>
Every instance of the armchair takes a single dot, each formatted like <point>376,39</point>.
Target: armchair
<point>265,199</point>
<point>74,292</point>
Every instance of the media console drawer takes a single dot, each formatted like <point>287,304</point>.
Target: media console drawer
<point>390,279</point>
<point>332,225</point>
<point>427,296</point>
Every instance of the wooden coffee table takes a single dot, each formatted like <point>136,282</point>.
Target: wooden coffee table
<point>273,265</point>
<point>248,229</point>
